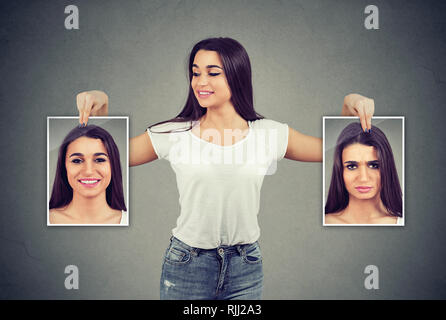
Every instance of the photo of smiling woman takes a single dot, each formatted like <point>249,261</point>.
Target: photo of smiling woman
<point>87,188</point>
<point>365,187</point>
<point>214,251</point>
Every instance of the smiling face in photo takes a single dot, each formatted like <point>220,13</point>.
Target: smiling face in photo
<point>88,167</point>
<point>209,81</point>
<point>361,173</point>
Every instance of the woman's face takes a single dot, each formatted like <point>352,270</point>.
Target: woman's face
<point>361,173</point>
<point>209,81</point>
<point>88,167</point>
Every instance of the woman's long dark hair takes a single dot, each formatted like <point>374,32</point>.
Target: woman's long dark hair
<point>62,193</point>
<point>237,68</point>
<point>391,195</point>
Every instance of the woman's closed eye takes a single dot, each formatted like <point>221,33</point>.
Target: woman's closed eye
<point>212,74</point>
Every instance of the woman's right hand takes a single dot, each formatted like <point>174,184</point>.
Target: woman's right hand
<point>91,103</point>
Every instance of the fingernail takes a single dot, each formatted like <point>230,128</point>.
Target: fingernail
<point>370,130</point>
<point>84,125</point>
<point>79,126</point>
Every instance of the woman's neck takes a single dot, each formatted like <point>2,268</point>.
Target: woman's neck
<point>89,210</point>
<point>223,117</point>
<point>364,211</point>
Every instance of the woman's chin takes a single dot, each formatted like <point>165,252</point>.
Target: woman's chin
<point>363,196</point>
<point>90,194</point>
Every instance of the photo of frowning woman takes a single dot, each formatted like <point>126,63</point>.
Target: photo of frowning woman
<point>87,187</point>
<point>364,187</point>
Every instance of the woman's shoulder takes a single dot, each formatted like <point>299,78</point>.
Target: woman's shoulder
<point>171,126</point>
<point>58,215</point>
<point>334,218</point>
<point>388,219</point>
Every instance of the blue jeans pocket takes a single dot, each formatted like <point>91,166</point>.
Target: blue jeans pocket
<point>251,254</point>
<point>177,255</point>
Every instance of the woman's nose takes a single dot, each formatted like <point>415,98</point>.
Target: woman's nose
<point>363,174</point>
<point>202,80</point>
<point>88,167</point>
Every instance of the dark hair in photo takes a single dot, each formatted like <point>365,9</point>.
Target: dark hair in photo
<point>391,194</point>
<point>237,68</point>
<point>62,193</point>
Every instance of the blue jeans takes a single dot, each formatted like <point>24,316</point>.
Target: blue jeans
<point>227,272</point>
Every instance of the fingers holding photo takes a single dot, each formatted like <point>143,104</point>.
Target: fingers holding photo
<point>91,103</point>
<point>360,106</point>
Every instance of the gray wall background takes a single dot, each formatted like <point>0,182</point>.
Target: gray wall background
<point>306,55</point>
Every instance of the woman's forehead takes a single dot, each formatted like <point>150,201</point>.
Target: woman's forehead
<point>358,152</point>
<point>86,146</point>
<point>204,58</point>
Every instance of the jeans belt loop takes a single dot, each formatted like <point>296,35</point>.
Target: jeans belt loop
<point>195,251</point>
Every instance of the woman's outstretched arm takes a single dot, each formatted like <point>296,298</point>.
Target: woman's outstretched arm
<point>95,103</point>
<point>307,148</point>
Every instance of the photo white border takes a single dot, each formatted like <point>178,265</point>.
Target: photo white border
<point>402,118</point>
<point>48,172</point>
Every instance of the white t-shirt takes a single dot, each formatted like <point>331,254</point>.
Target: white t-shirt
<point>219,186</point>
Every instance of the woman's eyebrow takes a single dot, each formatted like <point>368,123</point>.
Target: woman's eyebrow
<point>209,66</point>
<point>100,154</point>
<point>356,162</point>
<point>78,154</point>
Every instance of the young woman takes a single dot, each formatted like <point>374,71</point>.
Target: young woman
<point>87,187</point>
<point>220,149</point>
<point>364,186</point>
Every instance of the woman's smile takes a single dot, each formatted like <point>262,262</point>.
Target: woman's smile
<point>89,183</point>
<point>204,94</point>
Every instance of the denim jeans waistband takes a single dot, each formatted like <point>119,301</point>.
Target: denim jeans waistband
<point>226,249</point>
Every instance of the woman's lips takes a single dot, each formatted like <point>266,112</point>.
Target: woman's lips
<point>204,94</point>
<point>363,189</point>
<point>89,183</point>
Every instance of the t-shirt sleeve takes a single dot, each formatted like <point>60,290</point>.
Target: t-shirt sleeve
<point>277,136</point>
<point>162,139</point>
<point>282,139</point>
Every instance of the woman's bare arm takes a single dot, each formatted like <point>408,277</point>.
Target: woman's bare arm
<point>307,148</point>
<point>303,148</point>
<point>141,150</point>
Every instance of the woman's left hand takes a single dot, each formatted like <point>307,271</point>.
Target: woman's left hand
<point>360,106</point>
